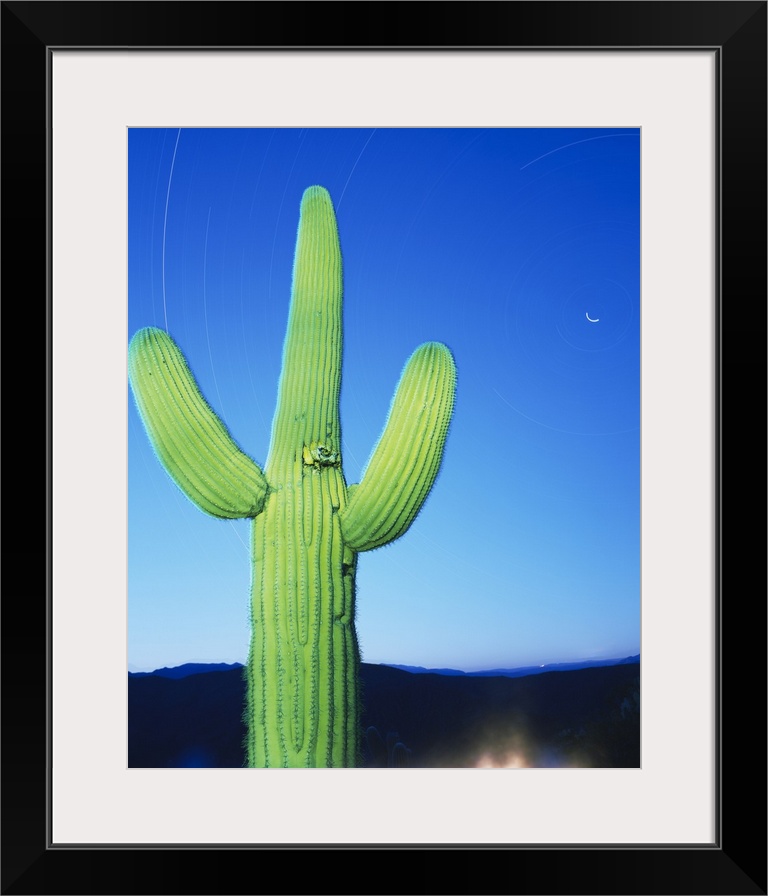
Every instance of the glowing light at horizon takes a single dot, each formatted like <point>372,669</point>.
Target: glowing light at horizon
<point>513,759</point>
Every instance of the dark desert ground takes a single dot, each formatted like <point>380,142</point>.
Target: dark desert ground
<point>583,718</point>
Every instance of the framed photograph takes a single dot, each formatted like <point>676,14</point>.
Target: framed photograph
<point>565,195</point>
<point>509,243</point>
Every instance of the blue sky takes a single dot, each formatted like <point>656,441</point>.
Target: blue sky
<point>520,249</point>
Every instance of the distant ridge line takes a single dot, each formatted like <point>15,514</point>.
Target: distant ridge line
<point>187,669</point>
<point>520,671</point>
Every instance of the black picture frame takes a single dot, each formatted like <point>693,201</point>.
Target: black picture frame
<point>736,862</point>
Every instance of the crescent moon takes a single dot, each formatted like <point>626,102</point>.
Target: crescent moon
<point>592,320</point>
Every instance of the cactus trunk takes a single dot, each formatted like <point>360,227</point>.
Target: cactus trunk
<point>303,702</point>
<point>302,667</point>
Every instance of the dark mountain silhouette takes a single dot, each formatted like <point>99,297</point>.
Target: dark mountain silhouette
<point>518,672</point>
<point>521,671</point>
<point>582,718</point>
<point>188,669</point>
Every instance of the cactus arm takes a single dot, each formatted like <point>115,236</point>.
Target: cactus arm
<point>189,439</point>
<point>407,457</point>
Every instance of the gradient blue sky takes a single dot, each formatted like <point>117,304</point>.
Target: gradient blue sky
<point>498,242</point>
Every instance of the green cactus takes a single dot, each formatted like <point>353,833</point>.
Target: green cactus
<point>303,701</point>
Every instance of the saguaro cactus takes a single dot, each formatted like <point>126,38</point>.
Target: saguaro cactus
<point>303,704</point>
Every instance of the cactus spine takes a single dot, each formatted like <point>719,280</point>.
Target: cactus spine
<point>303,704</point>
